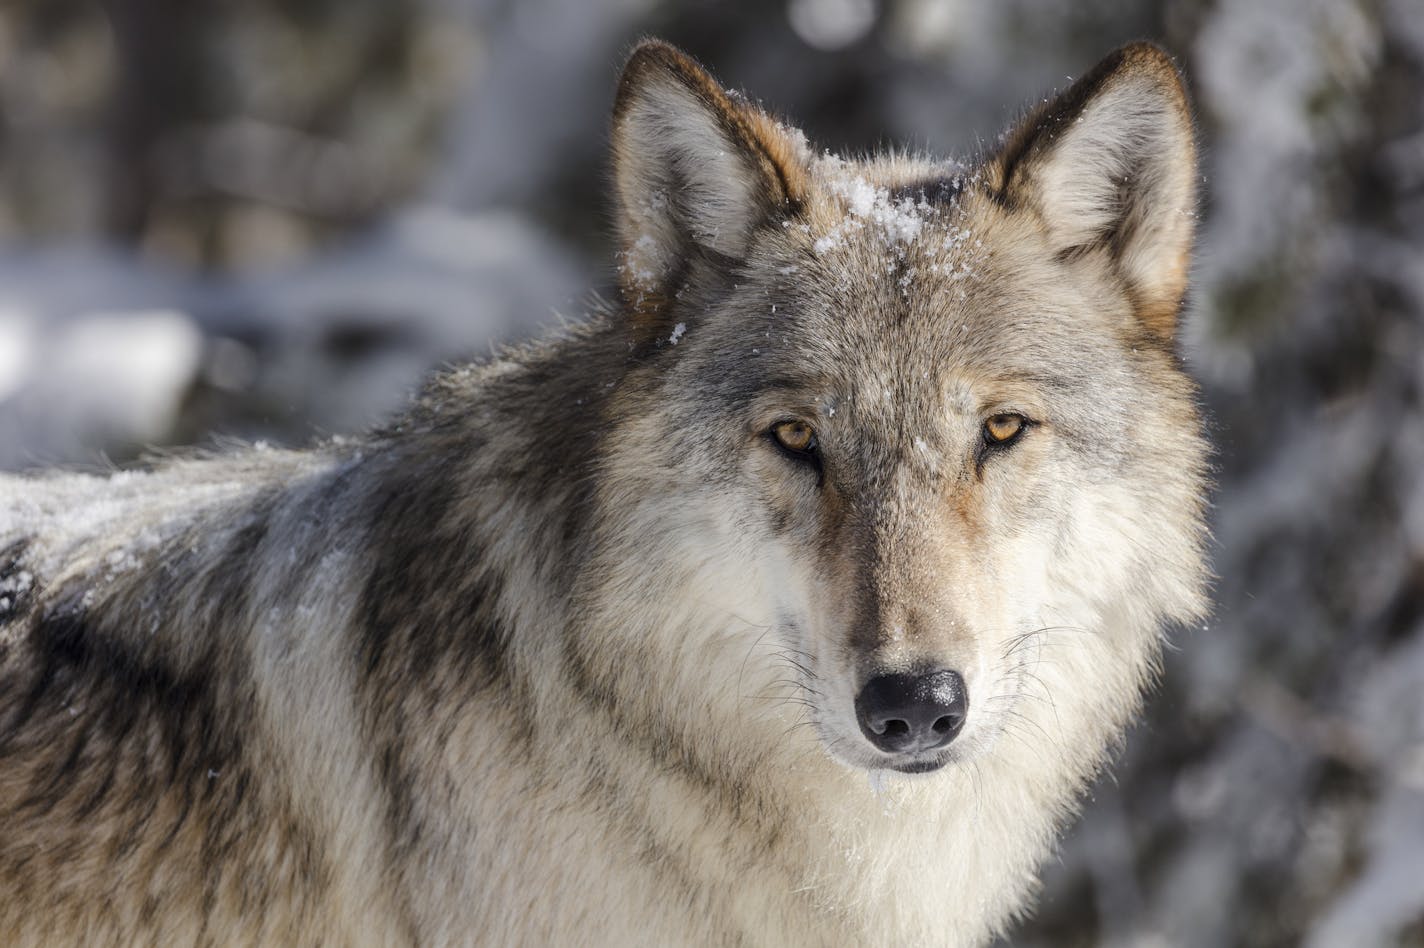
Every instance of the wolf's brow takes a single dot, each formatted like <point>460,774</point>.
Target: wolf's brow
<point>791,385</point>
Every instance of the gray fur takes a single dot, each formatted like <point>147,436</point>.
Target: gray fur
<point>566,653</point>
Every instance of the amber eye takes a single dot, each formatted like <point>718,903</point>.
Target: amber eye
<point>795,436</point>
<point>1003,428</point>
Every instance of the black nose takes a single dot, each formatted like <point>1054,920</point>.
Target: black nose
<point>901,714</point>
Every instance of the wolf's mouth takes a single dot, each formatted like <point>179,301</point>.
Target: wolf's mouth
<point>920,766</point>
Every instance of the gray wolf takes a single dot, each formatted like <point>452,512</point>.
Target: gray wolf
<point>792,600</point>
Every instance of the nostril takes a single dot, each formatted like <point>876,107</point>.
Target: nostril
<point>907,713</point>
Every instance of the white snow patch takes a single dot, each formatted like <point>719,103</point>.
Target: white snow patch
<point>18,584</point>
<point>899,222</point>
<point>642,262</point>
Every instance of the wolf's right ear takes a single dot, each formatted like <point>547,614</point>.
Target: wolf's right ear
<point>695,171</point>
<point>1110,167</point>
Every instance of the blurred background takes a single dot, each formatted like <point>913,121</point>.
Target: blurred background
<point>267,219</point>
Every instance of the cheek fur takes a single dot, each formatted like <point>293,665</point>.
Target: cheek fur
<point>787,495</point>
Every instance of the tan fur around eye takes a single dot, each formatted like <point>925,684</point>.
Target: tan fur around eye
<point>1003,427</point>
<point>794,435</point>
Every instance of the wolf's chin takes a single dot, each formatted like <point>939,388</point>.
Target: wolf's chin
<point>919,766</point>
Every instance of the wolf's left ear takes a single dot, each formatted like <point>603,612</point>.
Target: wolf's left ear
<point>1110,165</point>
<point>695,170</point>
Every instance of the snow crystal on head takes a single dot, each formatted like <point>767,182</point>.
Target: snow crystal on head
<point>867,205</point>
<point>898,222</point>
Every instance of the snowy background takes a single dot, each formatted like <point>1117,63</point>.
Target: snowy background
<point>268,219</point>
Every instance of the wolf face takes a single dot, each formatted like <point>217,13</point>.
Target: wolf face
<point>927,416</point>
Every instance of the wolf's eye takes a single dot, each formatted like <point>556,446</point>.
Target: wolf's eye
<point>1003,428</point>
<point>794,436</point>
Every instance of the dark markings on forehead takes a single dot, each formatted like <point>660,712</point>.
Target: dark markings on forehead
<point>941,189</point>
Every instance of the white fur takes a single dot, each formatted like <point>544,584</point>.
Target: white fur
<point>1127,154</point>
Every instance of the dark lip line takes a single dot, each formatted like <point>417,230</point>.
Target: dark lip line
<point>928,767</point>
<point>915,766</point>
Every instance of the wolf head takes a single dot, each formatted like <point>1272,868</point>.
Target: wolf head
<point>906,442</point>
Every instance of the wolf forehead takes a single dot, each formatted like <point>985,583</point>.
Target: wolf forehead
<point>885,283</point>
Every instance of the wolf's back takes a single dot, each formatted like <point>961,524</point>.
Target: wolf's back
<point>142,786</point>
